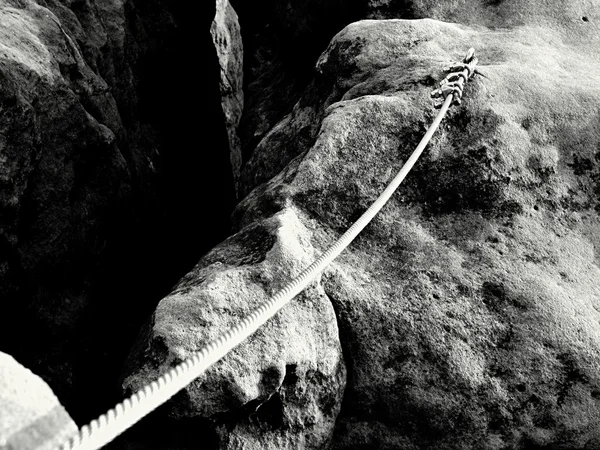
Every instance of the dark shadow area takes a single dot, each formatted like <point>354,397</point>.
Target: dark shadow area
<point>282,42</point>
<point>159,432</point>
<point>178,81</point>
<point>74,316</point>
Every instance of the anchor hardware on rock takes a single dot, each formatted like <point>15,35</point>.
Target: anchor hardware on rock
<point>108,426</point>
<point>455,81</point>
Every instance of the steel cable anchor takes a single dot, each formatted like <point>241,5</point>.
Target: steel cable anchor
<point>455,81</point>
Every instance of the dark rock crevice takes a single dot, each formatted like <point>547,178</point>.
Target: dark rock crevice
<point>346,338</point>
<point>124,181</point>
<point>283,42</point>
<point>194,186</point>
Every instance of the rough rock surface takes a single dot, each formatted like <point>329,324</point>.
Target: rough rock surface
<point>99,160</point>
<point>260,398</point>
<point>227,38</point>
<point>284,39</point>
<point>468,311</point>
<point>64,182</point>
<point>282,42</point>
<point>31,418</point>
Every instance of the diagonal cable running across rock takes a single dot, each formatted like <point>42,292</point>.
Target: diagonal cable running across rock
<point>108,426</point>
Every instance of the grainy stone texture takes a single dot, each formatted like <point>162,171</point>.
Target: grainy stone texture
<point>31,417</point>
<point>262,396</point>
<point>99,161</point>
<point>283,39</point>
<point>465,317</point>
<point>227,38</point>
<point>468,310</point>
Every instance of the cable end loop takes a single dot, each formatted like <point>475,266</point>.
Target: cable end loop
<point>455,81</point>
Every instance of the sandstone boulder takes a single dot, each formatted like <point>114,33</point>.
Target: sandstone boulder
<point>99,158</point>
<point>468,310</point>
<point>261,396</point>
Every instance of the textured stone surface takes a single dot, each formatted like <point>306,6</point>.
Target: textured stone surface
<point>468,310</point>
<point>63,181</point>
<point>475,326</point>
<point>466,316</point>
<point>262,396</point>
<point>227,38</point>
<point>31,417</point>
<point>99,160</point>
<point>283,39</point>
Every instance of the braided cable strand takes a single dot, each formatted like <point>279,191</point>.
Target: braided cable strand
<point>105,428</point>
<point>454,83</point>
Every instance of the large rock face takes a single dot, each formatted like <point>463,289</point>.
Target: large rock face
<point>284,39</point>
<point>65,183</point>
<point>99,162</point>
<point>31,418</point>
<point>468,311</point>
<point>225,31</point>
<point>54,150</point>
<point>261,399</point>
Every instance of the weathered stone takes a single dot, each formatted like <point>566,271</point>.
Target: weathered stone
<point>283,39</point>
<point>31,418</point>
<point>99,160</point>
<point>261,396</point>
<point>227,38</point>
<point>454,324</point>
<point>468,310</point>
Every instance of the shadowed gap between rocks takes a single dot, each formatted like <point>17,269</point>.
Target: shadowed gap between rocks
<point>282,42</point>
<point>158,232</point>
<point>183,105</point>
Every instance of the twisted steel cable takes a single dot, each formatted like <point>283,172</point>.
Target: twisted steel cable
<point>108,426</point>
